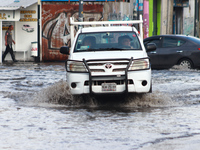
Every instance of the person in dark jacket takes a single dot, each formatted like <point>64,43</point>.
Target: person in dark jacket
<point>8,43</point>
<point>89,41</point>
<point>125,41</point>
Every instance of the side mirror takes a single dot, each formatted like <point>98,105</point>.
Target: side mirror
<point>151,47</point>
<point>64,50</point>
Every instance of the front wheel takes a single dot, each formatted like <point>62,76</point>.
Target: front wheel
<point>186,63</point>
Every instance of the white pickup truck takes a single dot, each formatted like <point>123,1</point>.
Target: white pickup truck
<point>108,59</point>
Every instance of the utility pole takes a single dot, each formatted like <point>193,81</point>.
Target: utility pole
<point>196,21</point>
<point>37,59</point>
<point>80,12</point>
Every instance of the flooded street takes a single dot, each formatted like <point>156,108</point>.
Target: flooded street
<point>37,112</point>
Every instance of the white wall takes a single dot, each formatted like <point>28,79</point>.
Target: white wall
<point>22,38</point>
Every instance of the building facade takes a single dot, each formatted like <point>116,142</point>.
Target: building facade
<point>174,17</point>
<point>55,23</point>
<point>46,22</point>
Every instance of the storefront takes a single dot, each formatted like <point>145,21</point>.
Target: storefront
<point>23,17</point>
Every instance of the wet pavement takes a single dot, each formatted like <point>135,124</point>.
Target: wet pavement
<point>37,112</point>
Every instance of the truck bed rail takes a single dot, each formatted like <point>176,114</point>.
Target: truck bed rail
<point>109,23</point>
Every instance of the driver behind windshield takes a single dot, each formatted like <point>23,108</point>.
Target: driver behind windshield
<point>125,41</point>
<point>89,41</point>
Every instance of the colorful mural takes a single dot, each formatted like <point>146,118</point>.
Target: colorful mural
<point>56,29</point>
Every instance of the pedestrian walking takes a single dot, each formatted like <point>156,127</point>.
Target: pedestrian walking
<point>8,43</point>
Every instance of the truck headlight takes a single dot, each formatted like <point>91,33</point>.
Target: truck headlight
<point>76,66</point>
<point>139,64</point>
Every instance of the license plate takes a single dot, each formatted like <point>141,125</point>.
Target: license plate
<point>108,86</point>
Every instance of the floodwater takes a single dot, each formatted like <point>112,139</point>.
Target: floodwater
<point>37,112</point>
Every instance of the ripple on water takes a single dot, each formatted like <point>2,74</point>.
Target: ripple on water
<point>13,78</point>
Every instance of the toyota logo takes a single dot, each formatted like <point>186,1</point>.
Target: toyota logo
<point>108,66</point>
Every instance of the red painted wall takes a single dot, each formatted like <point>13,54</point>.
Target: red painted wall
<point>56,29</point>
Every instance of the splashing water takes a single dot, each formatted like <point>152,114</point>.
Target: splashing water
<point>59,94</point>
<point>155,99</point>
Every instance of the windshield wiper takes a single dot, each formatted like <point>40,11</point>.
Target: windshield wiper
<point>111,48</point>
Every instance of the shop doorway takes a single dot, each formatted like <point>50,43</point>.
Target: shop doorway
<point>5,26</point>
<point>178,20</point>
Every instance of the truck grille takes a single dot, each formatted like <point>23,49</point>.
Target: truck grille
<point>108,66</point>
<point>97,70</point>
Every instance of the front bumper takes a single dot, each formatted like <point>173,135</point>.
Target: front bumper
<point>137,82</point>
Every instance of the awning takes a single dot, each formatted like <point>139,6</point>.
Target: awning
<point>16,4</point>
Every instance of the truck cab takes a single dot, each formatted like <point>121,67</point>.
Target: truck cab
<point>108,60</point>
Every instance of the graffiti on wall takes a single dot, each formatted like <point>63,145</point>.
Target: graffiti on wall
<point>58,29</point>
<point>188,26</point>
<point>56,26</point>
<point>118,16</point>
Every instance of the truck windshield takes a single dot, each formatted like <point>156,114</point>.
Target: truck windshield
<point>107,41</point>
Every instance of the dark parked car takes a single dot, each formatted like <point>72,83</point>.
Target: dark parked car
<point>174,50</point>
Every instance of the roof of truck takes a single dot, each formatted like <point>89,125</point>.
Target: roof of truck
<point>110,28</point>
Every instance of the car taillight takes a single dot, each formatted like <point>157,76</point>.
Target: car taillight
<point>198,48</point>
